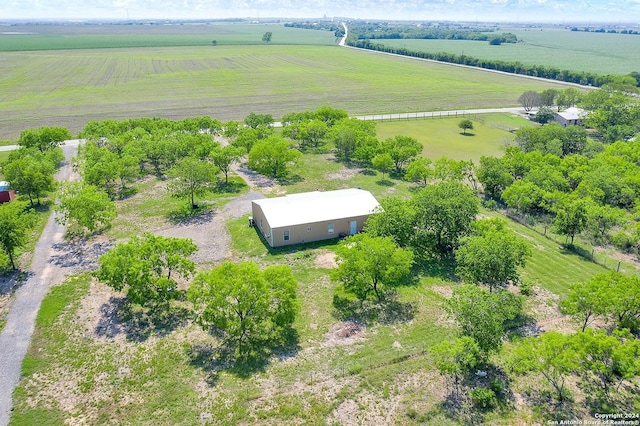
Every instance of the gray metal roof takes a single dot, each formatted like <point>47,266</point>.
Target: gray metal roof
<point>311,207</point>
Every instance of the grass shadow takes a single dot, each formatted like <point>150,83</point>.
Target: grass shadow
<point>127,193</point>
<point>387,311</point>
<point>368,172</point>
<point>467,134</point>
<point>290,180</point>
<point>618,399</point>
<point>549,408</point>
<point>188,215</point>
<point>137,323</point>
<point>436,267</point>
<point>385,182</point>
<point>230,187</point>
<point>226,357</point>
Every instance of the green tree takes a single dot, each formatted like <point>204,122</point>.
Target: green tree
<point>224,157</point>
<point>548,97</point>
<point>444,213</point>
<point>191,178</point>
<point>348,134</point>
<point>272,157</point>
<point>494,175</point>
<point>84,208</point>
<point>543,115</point>
<point>567,98</point>
<point>456,358</point>
<point>254,120</point>
<point>492,255</point>
<point>600,219</point>
<point>482,316</point>
<point>610,358</point>
<point>465,124</point>
<point>624,300</point>
<point>44,138</point>
<point>313,132</point>
<point>419,170</point>
<point>369,264</point>
<point>266,37</point>
<point>382,163</point>
<point>15,222</point>
<point>586,300</point>
<point>31,175</point>
<point>402,150</point>
<point>146,268</point>
<point>246,138</point>
<point>571,217</point>
<point>551,354</point>
<point>396,219</point>
<point>250,306</point>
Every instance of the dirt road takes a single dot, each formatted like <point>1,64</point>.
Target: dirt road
<point>16,335</point>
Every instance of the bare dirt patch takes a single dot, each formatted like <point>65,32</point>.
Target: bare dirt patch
<point>209,233</point>
<point>344,333</point>
<point>326,259</point>
<point>543,306</point>
<point>344,174</point>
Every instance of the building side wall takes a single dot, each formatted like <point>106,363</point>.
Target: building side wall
<point>260,221</point>
<point>316,231</point>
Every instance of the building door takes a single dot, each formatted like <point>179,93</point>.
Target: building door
<point>353,227</point>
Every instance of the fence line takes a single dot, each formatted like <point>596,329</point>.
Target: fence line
<point>421,116</point>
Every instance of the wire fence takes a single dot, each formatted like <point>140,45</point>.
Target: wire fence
<point>422,116</point>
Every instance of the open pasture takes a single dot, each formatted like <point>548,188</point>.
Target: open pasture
<point>58,37</point>
<point>441,137</point>
<point>68,88</point>
<point>598,53</point>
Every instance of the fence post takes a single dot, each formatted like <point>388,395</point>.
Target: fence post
<point>618,268</point>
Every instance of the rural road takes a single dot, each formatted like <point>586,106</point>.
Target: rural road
<point>16,335</point>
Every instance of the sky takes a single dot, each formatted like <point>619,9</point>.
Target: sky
<point>588,11</point>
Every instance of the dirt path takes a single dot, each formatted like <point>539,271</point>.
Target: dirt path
<point>43,274</point>
<point>209,232</point>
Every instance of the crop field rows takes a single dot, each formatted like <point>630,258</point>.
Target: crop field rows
<point>228,82</point>
<point>51,37</point>
<point>566,50</point>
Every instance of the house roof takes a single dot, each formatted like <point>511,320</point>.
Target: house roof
<point>311,207</point>
<point>572,113</point>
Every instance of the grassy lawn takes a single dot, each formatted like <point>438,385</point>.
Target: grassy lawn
<point>441,137</point>
<point>228,82</point>
<point>122,373</point>
<point>598,53</point>
<point>152,207</point>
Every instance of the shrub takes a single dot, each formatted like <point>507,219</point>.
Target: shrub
<point>484,398</point>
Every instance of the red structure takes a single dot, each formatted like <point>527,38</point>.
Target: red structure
<point>6,196</point>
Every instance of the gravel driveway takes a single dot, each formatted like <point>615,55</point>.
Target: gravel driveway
<point>16,335</point>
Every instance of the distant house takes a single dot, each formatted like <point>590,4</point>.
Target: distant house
<point>570,117</point>
<point>6,193</point>
<point>312,216</point>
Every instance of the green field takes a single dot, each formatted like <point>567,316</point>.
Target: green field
<point>441,137</point>
<point>228,82</point>
<point>598,53</point>
<point>55,37</point>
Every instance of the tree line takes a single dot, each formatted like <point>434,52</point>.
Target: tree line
<point>578,77</point>
<point>372,31</point>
